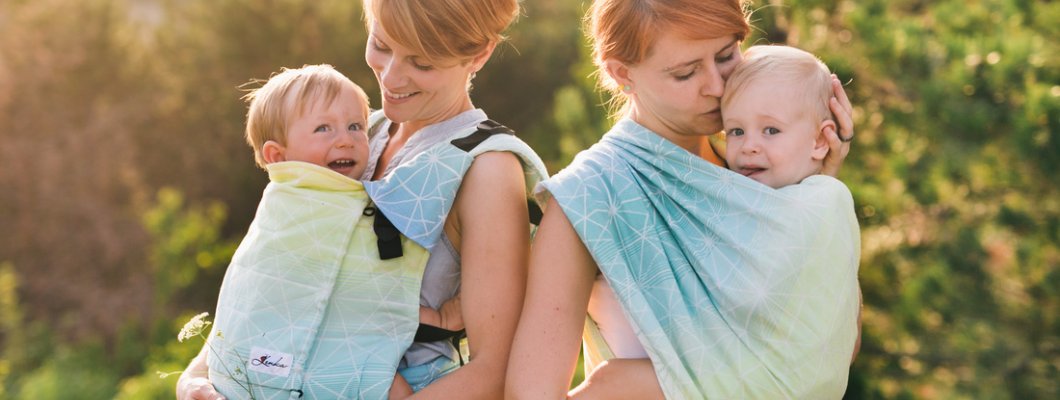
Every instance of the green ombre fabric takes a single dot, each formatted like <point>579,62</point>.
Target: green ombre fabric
<point>307,308</point>
<point>736,290</point>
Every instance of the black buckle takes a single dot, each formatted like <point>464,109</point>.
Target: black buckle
<point>388,238</point>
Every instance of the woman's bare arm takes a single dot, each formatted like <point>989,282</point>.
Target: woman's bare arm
<point>561,274</point>
<point>620,379</point>
<point>494,242</point>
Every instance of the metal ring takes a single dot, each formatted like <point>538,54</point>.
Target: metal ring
<point>846,140</point>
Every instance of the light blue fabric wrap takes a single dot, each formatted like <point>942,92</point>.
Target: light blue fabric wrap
<point>736,290</point>
<point>417,195</point>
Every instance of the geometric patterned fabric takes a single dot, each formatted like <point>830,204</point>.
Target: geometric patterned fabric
<point>418,194</point>
<point>735,289</point>
<point>306,285</point>
<point>307,308</point>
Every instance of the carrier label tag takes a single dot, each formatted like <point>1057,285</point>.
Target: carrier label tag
<point>270,362</point>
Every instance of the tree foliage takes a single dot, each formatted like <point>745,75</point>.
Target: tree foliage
<point>130,182</point>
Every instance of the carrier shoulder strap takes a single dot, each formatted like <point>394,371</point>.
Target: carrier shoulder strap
<point>388,236</point>
<point>485,130</point>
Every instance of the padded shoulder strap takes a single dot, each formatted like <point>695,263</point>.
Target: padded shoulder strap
<point>487,129</point>
<point>388,239</point>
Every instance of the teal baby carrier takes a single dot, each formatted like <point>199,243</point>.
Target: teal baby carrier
<point>736,290</point>
<point>308,308</point>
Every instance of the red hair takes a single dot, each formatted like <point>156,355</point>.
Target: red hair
<point>443,29</point>
<point>626,30</point>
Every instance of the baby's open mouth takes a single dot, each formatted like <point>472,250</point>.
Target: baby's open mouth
<point>341,164</point>
<point>750,171</point>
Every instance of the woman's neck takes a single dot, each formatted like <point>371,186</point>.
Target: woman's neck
<point>401,132</point>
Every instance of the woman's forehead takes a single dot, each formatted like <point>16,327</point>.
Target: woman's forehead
<point>671,50</point>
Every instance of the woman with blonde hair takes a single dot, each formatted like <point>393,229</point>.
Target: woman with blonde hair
<point>446,177</point>
<point>672,257</point>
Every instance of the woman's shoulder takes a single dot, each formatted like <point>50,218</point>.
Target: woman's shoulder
<point>598,162</point>
<point>593,173</point>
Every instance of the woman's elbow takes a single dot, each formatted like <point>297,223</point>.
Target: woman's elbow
<point>490,374</point>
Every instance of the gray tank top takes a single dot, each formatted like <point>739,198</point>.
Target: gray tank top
<point>441,276</point>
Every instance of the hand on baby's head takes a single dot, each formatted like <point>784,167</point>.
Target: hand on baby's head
<point>775,115</point>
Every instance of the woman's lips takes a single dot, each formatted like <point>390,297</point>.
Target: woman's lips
<point>398,97</point>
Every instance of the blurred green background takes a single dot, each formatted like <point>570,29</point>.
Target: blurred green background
<point>127,184</point>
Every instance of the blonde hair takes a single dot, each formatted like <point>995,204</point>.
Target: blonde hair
<point>626,30</point>
<point>808,74</point>
<point>285,96</point>
<point>443,29</point>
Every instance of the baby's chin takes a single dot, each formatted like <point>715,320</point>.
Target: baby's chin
<point>766,181</point>
<point>764,177</point>
<point>355,174</point>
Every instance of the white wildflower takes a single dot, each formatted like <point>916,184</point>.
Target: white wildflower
<point>195,326</point>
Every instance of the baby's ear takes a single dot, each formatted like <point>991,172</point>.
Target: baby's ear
<point>820,144</point>
<point>273,152</point>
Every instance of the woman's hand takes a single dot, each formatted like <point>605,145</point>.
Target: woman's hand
<point>451,319</point>
<point>196,388</point>
<point>839,142</point>
<point>194,383</point>
<point>447,317</point>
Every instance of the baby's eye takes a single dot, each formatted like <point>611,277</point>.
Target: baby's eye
<point>355,127</point>
<point>772,131</point>
<point>734,132</point>
<point>322,129</point>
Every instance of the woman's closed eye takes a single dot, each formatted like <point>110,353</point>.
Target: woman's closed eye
<point>726,58</point>
<point>422,67</point>
<point>376,44</point>
<point>686,76</point>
